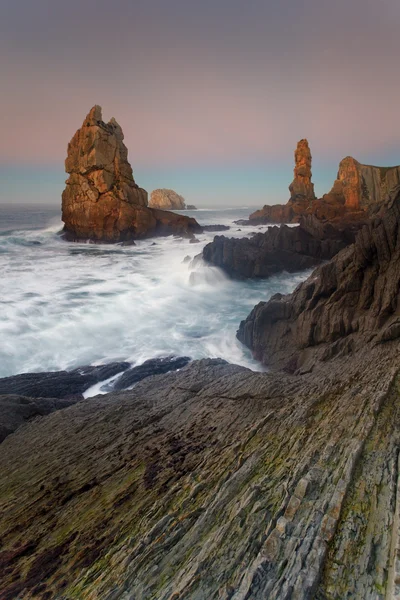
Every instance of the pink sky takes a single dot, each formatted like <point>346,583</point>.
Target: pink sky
<point>219,82</point>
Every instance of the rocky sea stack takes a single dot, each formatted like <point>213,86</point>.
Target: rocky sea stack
<point>358,191</point>
<point>101,201</point>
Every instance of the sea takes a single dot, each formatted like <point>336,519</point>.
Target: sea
<point>65,305</point>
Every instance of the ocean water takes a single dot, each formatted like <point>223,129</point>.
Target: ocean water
<point>63,304</point>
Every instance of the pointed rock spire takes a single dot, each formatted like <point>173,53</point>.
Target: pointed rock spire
<point>302,187</point>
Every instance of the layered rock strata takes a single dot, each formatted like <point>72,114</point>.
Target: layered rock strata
<point>101,201</point>
<point>167,200</point>
<point>279,248</point>
<point>212,482</point>
<point>16,410</point>
<point>343,305</point>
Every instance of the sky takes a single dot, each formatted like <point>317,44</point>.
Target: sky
<point>212,96</point>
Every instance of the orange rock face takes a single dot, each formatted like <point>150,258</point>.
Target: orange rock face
<point>360,187</point>
<point>164,199</point>
<point>302,189</point>
<point>101,201</point>
<point>357,190</point>
<point>301,192</point>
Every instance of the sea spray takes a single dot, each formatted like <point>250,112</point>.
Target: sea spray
<point>64,305</point>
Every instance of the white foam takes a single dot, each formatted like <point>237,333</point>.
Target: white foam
<point>63,305</point>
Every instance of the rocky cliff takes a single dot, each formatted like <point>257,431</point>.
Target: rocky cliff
<point>358,190</point>
<point>167,200</point>
<point>101,201</point>
<point>363,187</point>
<point>280,248</point>
<point>345,304</point>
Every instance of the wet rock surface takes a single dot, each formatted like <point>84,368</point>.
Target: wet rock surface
<point>216,228</point>
<point>60,384</point>
<point>29,395</point>
<point>344,304</point>
<point>153,366</point>
<point>279,249</point>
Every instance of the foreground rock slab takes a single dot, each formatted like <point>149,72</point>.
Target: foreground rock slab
<point>212,482</point>
<point>17,410</point>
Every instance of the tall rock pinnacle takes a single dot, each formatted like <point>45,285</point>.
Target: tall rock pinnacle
<point>302,187</point>
<point>101,201</point>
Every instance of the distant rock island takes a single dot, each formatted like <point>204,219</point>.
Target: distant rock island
<point>101,201</point>
<point>167,200</point>
<point>358,190</point>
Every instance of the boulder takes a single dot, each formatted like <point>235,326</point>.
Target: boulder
<point>167,200</point>
<point>101,201</point>
<point>344,305</point>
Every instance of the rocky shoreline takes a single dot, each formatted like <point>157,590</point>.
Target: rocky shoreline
<point>211,482</point>
<point>202,479</point>
<point>280,249</point>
